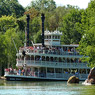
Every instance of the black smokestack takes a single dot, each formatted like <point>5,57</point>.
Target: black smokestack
<point>43,18</point>
<point>28,18</point>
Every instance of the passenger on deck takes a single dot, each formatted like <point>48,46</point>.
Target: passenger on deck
<point>19,71</point>
<point>68,50</point>
<point>22,72</point>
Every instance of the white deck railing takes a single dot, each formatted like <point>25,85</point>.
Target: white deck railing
<point>62,76</point>
<point>51,64</point>
<point>66,76</point>
<point>53,52</point>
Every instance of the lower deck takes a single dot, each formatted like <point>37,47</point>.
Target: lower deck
<point>42,76</point>
<point>47,73</point>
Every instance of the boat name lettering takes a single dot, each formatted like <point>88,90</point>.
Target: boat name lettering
<point>18,78</point>
<point>12,78</point>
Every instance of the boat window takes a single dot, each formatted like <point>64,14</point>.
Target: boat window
<point>68,60</point>
<point>51,58</point>
<point>47,58</point>
<point>27,57</point>
<point>64,60</point>
<point>58,37</point>
<point>82,71</point>
<point>50,70</point>
<point>88,70</point>
<point>43,58</point>
<point>66,71</point>
<point>32,57</point>
<point>46,37</point>
<point>74,71</point>
<point>72,60</point>
<point>49,37</point>
<point>53,37</point>
<point>56,59</point>
<point>58,70</point>
<point>37,58</point>
<point>60,59</point>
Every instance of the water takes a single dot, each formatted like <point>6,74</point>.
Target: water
<point>44,88</point>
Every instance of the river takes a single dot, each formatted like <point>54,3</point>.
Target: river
<point>44,88</point>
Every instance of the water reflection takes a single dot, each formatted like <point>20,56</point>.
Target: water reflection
<point>44,88</point>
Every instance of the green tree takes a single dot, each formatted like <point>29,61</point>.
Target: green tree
<point>87,46</point>
<point>3,57</point>
<point>7,22</point>
<point>7,48</point>
<point>15,8</point>
<point>38,37</point>
<point>71,22</point>
<point>43,5</point>
<point>21,23</point>
<point>87,43</point>
<point>52,23</point>
<point>11,7</point>
<point>10,50</point>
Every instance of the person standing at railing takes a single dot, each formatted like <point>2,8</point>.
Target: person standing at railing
<point>19,71</point>
<point>39,59</point>
<point>61,51</point>
<point>68,50</point>
<point>22,72</point>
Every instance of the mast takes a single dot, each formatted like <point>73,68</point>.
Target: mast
<point>43,18</point>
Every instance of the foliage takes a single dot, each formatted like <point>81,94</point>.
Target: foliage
<point>87,46</point>
<point>37,37</point>
<point>10,50</point>
<point>9,30</point>
<point>32,12</point>
<point>87,43</point>
<point>71,22</point>
<point>7,22</point>
<point>43,5</point>
<point>11,7</point>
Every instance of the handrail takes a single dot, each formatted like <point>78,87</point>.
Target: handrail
<point>54,52</point>
<point>50,64</point>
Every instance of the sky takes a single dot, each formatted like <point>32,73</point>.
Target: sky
<point>83,4</point>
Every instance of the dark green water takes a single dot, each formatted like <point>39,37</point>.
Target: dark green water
<point>44,88</point>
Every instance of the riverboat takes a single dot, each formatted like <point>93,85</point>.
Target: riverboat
<point>49,62</point>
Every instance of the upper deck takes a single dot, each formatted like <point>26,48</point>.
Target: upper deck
<point>52,47</point>
<point>66,51</point>
<point>52,38</point>
<point>66,56</point>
